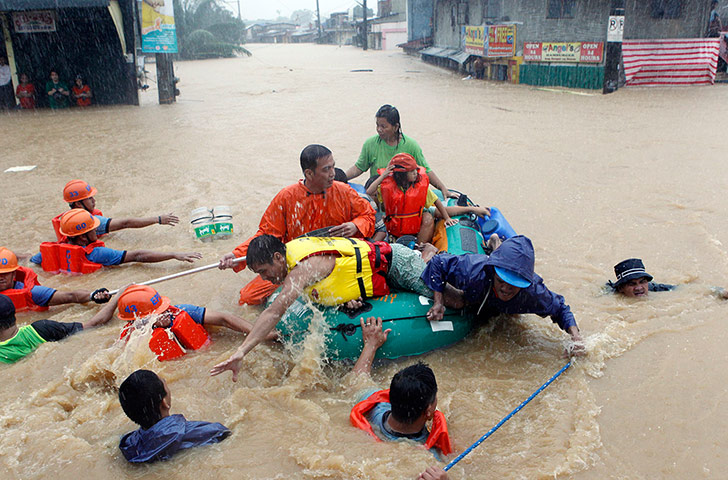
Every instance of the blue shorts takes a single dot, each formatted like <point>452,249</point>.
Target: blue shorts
<point>196,313</point>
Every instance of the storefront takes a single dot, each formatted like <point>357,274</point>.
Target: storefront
<point>91,38</point>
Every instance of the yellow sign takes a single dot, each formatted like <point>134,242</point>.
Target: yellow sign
<point>474,40</point>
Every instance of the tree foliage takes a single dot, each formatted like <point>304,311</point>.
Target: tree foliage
<point>206,29</point>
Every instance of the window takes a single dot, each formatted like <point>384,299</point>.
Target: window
<point>560,9</point>
<point>666,9</point>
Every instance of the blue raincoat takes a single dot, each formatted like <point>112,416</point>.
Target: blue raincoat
<point>167,437</point>
<point>473,274</point>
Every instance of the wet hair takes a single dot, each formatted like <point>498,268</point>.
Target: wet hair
<point>310,156</point>
<point>400,178</point>
<point>262,249</point>
<point>140,396</point>
<point>53,70</point>
<point>7,312</point>
<point>412,390</point>
<point>391,115</point>
<point>340,175</point>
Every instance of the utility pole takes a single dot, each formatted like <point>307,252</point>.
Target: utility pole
<point>318,15</point>
<point>239,17</point>
<point>366,27</point>
<point>613,58</point>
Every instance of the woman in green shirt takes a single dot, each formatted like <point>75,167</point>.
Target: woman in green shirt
<point>378,150</point>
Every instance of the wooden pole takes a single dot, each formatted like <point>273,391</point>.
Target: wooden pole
<point>365,32</point>
<point>165,79</point>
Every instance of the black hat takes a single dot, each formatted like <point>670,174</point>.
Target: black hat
<point>7,309</point>
<point>630,269</point>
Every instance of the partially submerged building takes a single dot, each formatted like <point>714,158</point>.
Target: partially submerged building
<point>92,38</point>
<point>554,42</point>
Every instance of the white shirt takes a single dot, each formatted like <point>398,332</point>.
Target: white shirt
<point>4,75</point>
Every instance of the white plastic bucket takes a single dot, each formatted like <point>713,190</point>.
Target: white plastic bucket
<point>223,221</point>
<point>202,222</point>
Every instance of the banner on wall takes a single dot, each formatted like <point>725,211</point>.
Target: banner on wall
<point>159,34</point>
<point>490,40</point>
<point>581,52</point>
<point>474,43</point>
<point>501,41</point>
<point>35,21</point>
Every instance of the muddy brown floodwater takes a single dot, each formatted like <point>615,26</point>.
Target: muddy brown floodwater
<point>591,179</point>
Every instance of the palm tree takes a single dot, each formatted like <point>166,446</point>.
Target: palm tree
<point>205,29</point>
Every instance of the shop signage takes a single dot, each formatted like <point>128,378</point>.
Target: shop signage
<point>490,40</point>
<point>474,43</point>
<point>34,21</point>
<point>501,41</point>
<point>615,30</point>
<point>159,34</point>
<point>577,52</point>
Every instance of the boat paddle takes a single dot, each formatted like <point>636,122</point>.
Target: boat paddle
<point>181,274</point>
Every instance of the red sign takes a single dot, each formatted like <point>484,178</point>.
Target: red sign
<point>34,21</point>
<point>592,52</point>
<point>532,51</point>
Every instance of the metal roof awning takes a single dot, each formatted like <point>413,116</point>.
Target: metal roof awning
<point>460,57</point>
<point>15,5</point>
<point>449,53</point>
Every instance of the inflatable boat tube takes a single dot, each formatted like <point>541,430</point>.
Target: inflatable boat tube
<point>403,312</point>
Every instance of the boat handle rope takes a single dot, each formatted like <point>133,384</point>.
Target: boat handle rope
<point>349,329</point>
<point>506,418</point>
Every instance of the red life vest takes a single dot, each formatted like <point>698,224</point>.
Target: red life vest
<point>57,224</point>
<point>173,342</point>
<point>22,297</point>
<point>69,259</point>
<point>438,436</point>
<point>404,209</point>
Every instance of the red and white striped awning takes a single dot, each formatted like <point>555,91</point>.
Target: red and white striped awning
<point>681,61</point>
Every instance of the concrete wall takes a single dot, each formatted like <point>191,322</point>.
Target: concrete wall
<point>390,34</point>
<point>589,22</point>
<point>419,19</point>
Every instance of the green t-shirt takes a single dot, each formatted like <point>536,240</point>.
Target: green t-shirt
<point>23,343</point>
<point>57,100</point>
<point>376,153</point>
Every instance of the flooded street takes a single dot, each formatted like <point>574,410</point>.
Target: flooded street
<point>591,179</point>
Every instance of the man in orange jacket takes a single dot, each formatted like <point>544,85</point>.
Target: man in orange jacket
<point>313,203</point>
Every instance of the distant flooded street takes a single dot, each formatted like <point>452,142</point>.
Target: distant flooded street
<point>591,179</point>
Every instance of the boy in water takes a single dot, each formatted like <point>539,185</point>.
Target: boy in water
<point>402,411</point>
<point>80,228</point>
<point>20,284</point>
<point>18,342</point>
<point>146,400</point>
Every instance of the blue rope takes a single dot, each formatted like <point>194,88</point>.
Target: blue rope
<point>506,418</point>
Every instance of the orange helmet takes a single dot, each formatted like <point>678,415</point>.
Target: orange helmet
<point>138,301</point>
<point>8,261</point>
<point>77,190</point>
<point>78,221</point>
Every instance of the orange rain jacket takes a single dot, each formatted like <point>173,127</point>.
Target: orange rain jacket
<point>295,211</point>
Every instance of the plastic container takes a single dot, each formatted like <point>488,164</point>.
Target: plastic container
<point>223,222</point>
<point>202,222</point>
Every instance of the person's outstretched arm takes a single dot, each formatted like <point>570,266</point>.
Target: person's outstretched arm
<point>149,256</point>
<point>233,322</point>
<point>122,223</point>
<point>105,314</point>
<point>374,337</point>
<point>304,274</point>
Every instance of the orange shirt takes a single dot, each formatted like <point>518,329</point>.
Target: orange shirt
<point>295,211</point>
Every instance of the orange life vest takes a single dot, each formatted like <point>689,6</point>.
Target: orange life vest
<point>438,436</point>
<point>22,297</point>
<point>57,224</point>
<point>173,342</point>
<point>69,259</point>
<point>404,209</point>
